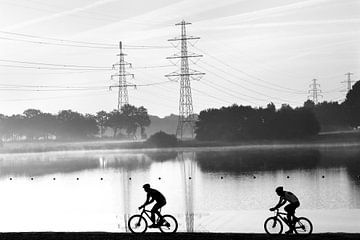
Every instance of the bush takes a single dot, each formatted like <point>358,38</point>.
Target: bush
<point>162,139</point>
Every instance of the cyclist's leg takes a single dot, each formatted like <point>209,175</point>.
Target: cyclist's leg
<point>290,209</point>
<point>161,204</point>
<point>155,210</point>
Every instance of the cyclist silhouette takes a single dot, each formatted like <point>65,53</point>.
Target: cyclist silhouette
<point>153,195</point>
<point>290,208</point>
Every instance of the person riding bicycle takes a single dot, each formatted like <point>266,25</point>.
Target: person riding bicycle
<point>294,203</point>
<point>153,195</point>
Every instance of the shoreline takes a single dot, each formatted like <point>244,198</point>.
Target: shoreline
<point>159,236</point>
<point>349,139</point>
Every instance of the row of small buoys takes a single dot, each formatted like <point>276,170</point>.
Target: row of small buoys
<point>52,179</point>
<point>159,178</point>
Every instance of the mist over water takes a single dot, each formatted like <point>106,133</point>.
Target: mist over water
<point>206,190</point>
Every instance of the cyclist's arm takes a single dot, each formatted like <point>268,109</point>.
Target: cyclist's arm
<point>281,202</point>
<point>148,201</point>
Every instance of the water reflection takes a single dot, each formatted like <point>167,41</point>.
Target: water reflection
<point>195,183</point>
<point>188,166</point>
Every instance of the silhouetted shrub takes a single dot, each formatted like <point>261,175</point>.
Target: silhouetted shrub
<point>162,139</point>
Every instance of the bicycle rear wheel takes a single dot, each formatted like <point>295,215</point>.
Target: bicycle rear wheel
<point>273,226</point>
<point>169,224</point>
<point>137,224</point>
<point>303,226</point>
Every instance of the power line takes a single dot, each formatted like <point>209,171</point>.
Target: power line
<point>57,39</point>
<point>242,86</point>
<point>55,44</point>
<point>209,95</point>
<point>53,66</point>
<point>252,76</point>
<point>71,43</point>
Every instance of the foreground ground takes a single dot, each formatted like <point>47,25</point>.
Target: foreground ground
<point>159,236</point>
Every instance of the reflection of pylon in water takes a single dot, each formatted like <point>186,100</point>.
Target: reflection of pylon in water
<point>102,162</point>
<point>188,170</point>
<point>126,196</point>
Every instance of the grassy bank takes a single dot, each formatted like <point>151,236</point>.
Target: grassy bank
<point>176,236</point>
<point>49,146</point>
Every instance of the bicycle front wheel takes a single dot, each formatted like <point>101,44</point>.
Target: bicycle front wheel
<point>137,224</point>
<point>303,226</point>
<point>169,224</point>
<point>273,226</point>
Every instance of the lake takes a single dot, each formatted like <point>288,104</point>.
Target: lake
<point>220,190</point>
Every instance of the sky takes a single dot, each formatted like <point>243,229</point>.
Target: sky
<point>58,54</point>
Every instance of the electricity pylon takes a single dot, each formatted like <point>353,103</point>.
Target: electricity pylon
<point>348,81</point>
<point>314,91</point>
<point>186,115</point>
<point>123,97</point>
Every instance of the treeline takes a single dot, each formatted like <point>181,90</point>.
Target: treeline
<point>338,116</point>
<point>34,124</point>
<point>236,123</point>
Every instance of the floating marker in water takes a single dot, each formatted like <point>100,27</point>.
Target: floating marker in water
<point>10,178</point>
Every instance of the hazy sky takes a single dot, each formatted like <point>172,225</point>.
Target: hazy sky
<point>255,52</point>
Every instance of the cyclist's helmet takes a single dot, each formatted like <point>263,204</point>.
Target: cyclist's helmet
<point>279,189</point>
<point>146,186</point>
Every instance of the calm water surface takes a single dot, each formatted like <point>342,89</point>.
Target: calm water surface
<point>221,191</point>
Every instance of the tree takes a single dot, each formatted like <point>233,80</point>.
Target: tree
<point>135,118</point>
<point>142,119</point>
<point>75,125</point>
<point>352,105</point>
<point>32,124</point>
<point>101,119</point>
<point>129,113</point>
<point>116,121</point>
<point>331,116</point>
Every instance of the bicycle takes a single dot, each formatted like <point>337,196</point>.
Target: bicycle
<point>138,223</point>
<point>274,225</point>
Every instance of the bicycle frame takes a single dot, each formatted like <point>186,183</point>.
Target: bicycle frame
<point>279,214</point>
<point>146,212</point>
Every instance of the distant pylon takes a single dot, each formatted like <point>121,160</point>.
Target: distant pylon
<point>348,81</point>
<point>186,122</point>
<point>314,91</point>
<point>123,97</point>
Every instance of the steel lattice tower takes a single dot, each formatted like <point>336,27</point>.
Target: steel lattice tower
<point>186,122</point>
<point>348,81</point>
<point>314,91</point>
<point>123,97</point>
